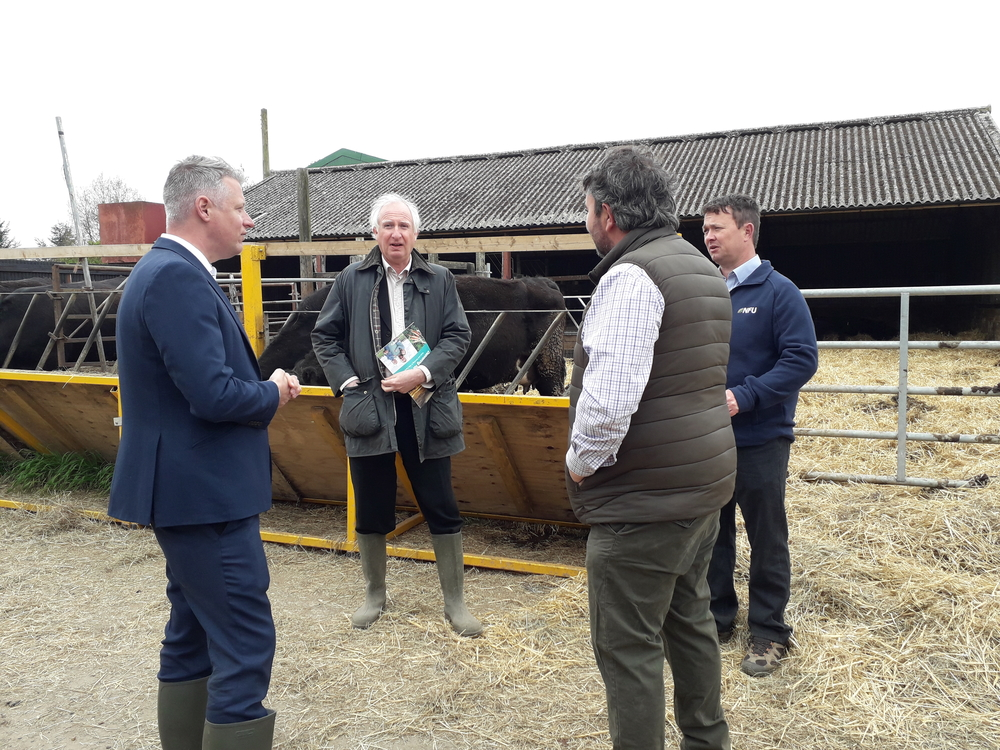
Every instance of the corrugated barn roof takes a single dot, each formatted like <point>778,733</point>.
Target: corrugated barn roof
<point>934,158</point>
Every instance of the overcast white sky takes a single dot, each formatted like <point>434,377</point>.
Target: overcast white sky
<point>141,85</point>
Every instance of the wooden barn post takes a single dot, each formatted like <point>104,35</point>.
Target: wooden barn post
<point>306,262</point>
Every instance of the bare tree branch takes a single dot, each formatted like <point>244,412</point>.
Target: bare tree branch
<point>6,239</point>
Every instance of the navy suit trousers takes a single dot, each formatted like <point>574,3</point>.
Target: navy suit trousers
<point>220,618</point>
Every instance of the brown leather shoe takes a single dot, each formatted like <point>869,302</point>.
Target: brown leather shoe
<point>763,657</point>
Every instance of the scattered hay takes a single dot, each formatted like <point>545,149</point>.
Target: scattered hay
<point>895,604</point>
<point>935,414</point>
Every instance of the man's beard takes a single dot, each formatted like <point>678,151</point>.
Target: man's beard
<point>603,244</point>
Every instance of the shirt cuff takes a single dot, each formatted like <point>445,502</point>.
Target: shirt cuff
<point>349,382</point>
<point>429,382</point>
<point>575,465</point>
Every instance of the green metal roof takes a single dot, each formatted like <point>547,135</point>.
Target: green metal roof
<point>344,156</point>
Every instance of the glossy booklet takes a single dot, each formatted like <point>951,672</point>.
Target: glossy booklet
<point>404,352</point>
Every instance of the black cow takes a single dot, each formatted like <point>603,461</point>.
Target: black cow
<point>520,332</point>
<point>12,285</point>
<point>41,321</point>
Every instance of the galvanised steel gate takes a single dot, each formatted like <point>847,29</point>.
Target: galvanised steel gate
<point>902,389</point>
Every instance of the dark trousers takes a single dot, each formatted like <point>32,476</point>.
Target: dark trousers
<point>761,473</point>
<point>220,617</point>
<point>649,600</point>
<point>374,479</point>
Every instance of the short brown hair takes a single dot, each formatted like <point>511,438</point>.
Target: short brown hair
<point>743,208</point>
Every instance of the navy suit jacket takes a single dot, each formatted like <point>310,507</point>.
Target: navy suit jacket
<point>195,412</point>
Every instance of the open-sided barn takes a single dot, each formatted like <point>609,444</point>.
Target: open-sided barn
<point>904,200</point>
<point>889,201</point>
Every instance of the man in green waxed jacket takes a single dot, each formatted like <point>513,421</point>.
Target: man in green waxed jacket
<point>371,303</point>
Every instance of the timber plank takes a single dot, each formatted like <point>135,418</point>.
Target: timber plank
<point>513,464</point>
<point>66,416</point>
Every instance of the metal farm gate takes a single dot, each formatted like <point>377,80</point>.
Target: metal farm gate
<point>902,389</point>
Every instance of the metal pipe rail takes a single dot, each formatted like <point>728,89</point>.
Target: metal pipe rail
<point>534,353</point>
<point>945,390</point>
<point>822,476</point>
<point>927,437</point>
<point>912,345</point>
<point>896,291</point>
<point>902,389</point>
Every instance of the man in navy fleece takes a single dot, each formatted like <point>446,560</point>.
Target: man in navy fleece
<point>772,354</point>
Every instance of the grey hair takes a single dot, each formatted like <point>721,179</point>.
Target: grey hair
<point>194,176</point>
<point>743,208</point>
<point>384,200</point>
<point>639,190</point>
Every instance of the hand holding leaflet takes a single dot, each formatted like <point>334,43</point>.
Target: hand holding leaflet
<point>405,352</point>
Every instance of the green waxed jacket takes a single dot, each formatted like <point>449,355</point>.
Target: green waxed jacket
<point>345,345</point>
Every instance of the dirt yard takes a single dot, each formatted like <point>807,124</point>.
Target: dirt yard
<point>895,604</point>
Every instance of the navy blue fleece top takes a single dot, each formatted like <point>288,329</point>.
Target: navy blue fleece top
<point>772,354</point>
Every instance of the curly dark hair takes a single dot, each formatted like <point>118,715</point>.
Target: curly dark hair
<point>639,190</point>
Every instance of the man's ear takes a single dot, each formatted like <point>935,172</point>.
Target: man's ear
<point>608,218</point>
<point>749,229</point>
<point>201,204</point>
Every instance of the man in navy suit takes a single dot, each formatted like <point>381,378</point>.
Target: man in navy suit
<point>194,464</point>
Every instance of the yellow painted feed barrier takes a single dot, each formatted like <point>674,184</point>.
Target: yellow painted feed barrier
<point>512,468</point>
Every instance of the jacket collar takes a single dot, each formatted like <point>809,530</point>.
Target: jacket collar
<point>181,251</point>
<point>632,241</point>
<point>195,252</point>
<point>374,258</point>
<point>759,275</point>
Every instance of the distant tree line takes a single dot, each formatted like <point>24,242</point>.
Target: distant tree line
<point>6,239</point>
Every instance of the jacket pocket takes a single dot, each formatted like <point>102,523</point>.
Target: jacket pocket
<point>444,412</point>
<point>213,432</point>
<point>358,413</point>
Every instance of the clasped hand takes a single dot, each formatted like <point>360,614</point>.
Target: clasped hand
<point>734,407</point>
<point>288,386</point>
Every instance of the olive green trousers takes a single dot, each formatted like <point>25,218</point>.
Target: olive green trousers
<point>649,601</point>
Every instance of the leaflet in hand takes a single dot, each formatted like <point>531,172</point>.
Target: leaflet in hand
<point>404,352</point>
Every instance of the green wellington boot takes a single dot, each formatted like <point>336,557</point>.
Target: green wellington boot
<point>180,713</point>
<point>372,549</point>
<point>451,571</point>
<point>256,734</point>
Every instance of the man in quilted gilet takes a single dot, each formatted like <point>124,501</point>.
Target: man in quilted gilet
<point>651,457</point>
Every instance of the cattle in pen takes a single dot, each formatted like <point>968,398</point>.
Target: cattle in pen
<point>530,305</point>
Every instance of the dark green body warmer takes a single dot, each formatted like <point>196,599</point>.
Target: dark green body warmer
<point>678,459</point>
